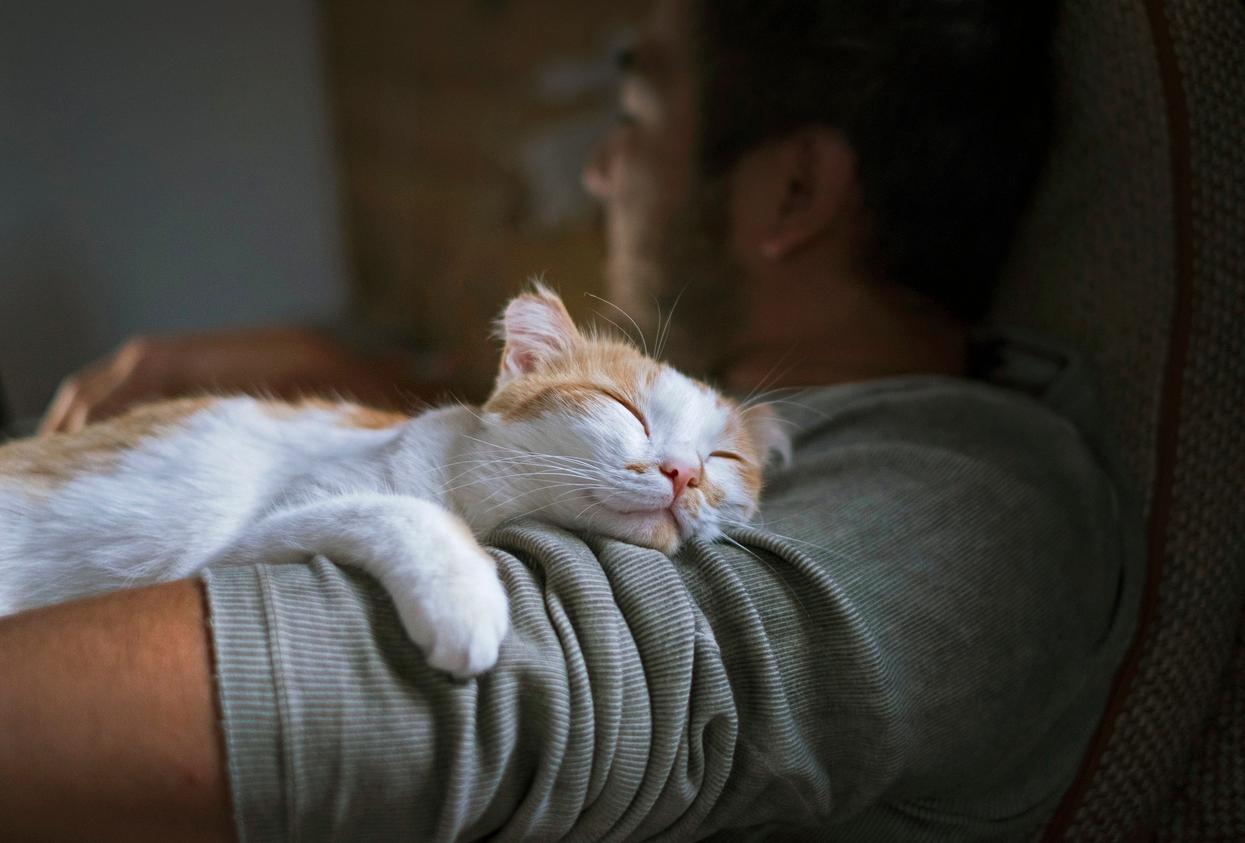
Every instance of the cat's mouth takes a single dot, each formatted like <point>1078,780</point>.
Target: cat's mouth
<point>647,514</point>
<point>663,528</point>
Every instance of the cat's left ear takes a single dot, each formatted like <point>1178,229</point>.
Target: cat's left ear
<point>537,329</point>
<point>773,441</point>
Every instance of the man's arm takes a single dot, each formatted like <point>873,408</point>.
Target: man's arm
<point>921,642</point>
<point>286,362</point>
<point>108,722</point>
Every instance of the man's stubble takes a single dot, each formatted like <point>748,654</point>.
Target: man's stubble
<point>682,285</point>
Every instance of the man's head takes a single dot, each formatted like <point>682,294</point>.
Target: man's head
<point>890,140</point>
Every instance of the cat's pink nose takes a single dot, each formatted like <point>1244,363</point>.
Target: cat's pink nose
<point>682,474</point>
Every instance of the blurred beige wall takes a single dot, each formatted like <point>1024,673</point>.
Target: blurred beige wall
<point>461,126</point>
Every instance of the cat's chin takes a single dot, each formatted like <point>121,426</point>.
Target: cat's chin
<point>657,528</point>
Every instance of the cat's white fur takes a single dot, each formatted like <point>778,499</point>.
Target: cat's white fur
<point>237,484</point>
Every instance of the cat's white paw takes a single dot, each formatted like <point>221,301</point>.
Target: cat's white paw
<point>461,622</point>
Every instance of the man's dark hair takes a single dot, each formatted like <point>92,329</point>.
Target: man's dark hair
<point>946,104</point>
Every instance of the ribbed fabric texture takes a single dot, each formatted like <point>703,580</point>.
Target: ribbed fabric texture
<point>913,644</point>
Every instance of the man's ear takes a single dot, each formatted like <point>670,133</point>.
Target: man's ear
<point>536,329</point>
<point>813,172</point>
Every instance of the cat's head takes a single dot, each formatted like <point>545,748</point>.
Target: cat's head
<point>590,433</point>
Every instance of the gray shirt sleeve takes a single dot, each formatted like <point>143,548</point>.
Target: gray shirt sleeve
<point>914,645</point>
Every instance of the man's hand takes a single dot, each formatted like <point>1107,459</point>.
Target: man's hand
<point>285,362</point>
<point>142,369</point>
<point>108,721</point>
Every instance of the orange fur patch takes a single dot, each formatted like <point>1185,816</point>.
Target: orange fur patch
<point>370,418</point>
<point>664,536</point>
<point>576,379</point>
<point>348,414</point>
<point>691,504</point>
<point>49,461</point>
<point>746,440</point>
<point>284,410</point>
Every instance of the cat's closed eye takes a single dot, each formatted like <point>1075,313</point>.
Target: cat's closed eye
<point>727,455</point>
<point>629,407</point>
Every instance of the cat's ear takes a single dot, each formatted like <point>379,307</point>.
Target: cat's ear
<point>536,329</point>
<point>773,440</point>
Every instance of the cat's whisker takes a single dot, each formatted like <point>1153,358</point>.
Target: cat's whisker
<point>643,342</point>
<point>663,334</point>
<point>523,451</point>
<point>477,461</point>
<point>412,404</point>
<point>794,594</point>
<point>547,484</point>
<point>772,375</point>
<point>789,402</point>
<point>764,523</point>
<point>657,341</point>
<point>548,462</point>
<point>568,495</point>
<point>533,471</point>
<point>579,468</point>
<point>579,489</point>
<point>497,478</point>
<point>588,509</point>
<point>530,512</point>
<point>602,500</point>
<point>759,397</point>
<point>551,460</point>
<point>458,402</point>
<point>792,539</point>
<point>543,481</point>
<point>622,332</point>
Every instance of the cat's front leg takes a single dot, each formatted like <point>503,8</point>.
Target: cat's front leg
<point>443,583</point>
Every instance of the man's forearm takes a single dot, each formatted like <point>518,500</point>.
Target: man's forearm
<point>108,724</point>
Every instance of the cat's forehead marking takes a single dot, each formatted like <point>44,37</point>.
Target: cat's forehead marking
<point>575,380</point>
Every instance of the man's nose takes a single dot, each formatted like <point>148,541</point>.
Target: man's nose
<point>597,175</point>
<point>682,474</point>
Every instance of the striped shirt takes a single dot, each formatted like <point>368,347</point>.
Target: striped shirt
<point>914,642</point>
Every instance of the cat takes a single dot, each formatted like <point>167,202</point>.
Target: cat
<point>585,432</point>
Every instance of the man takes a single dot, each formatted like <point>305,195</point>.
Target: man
<point>915,643</point>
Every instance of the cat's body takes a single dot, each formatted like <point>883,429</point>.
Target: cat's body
<point>241,481</point>
<point>584,433</point>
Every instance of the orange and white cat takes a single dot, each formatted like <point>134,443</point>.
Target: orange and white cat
<point>583,432</point>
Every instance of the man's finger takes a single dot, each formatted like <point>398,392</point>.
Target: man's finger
<point>62,403</point>
<point>76,418</point>
<point>81,395</point>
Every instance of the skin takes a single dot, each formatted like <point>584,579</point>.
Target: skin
<point>108,722</point>
<point>284,363</point>
<point>793,230</point>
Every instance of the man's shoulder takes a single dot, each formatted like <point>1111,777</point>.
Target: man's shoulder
<point>937,461</point>
<point>958,418</point>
